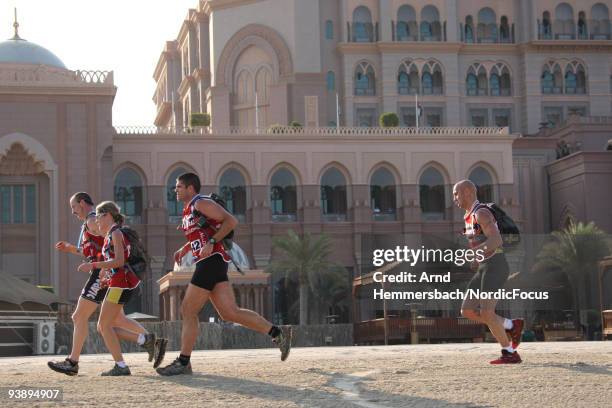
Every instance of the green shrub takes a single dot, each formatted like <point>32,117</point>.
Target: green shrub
<point>199,119</point>
<point>388,119</point>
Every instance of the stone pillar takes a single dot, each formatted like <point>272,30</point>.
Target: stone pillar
<point>220,107</point>
<point>257,299</point>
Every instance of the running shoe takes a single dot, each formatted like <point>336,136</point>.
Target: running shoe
<point>516,332</point>
<point>160,351</point>
<point>508,358</point>
<point>176,368</point>
<point>116,371</point>
<point>65,367</point>
<point>149,345</point>
<point>283,341</point>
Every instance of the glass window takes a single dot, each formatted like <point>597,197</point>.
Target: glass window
<point>30,196</point>
<point>427,84</point>
<point>331,81</point>
<point>5,204</point>
<point>403,83</point>
<point>433,117</point>
<point>175,208</point>
<point>333,195</point>
<point>329,30</point>
<point>553,115</point>
<point>128,193</point>
<point>484,184</point>
<point>479,117</point>
<point>17,204</point>
<point>408,117</point>
<point>431,193</point>
<point>232,188</point>
<point>494,85</point>
<point>366,117</point>
<point>570,83</point>
<point>382,195</point>
<point>283,196</point>
<point>501,118</point>
<point>472,85</point>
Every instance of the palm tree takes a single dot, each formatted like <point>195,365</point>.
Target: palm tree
<point>574,251</point>
<point>303,258</point>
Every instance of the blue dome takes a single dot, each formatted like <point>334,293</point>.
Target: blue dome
<point>19,51</point>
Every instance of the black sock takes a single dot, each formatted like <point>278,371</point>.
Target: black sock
<point>274,332</point>
<point>184,359</point>
<point>71,361</point>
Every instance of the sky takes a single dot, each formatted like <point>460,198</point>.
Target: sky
<point>123,36</point>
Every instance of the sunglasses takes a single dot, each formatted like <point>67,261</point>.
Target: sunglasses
<point>100,215</point>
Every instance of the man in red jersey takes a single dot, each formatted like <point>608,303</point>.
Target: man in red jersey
<point>205,224</point>
<point>483,235</point>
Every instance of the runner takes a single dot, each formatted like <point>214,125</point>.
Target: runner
<point>483,234</point>
<point>90,246</point>
<point>205,224</point>
<point>121,282</point>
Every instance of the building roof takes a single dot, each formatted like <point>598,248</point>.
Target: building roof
<point>16,50</point>
<point>20,51</point>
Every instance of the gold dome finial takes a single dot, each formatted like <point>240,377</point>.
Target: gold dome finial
<point>16,26</point>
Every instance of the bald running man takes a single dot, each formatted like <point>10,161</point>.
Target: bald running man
<point>482,233</point>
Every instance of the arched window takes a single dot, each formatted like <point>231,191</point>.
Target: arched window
<point>487,26</point>
<point>363,29</point>
<point>427,82</point>
<point>482,81</point>
<point>431,28</point>
<point>128,194</point>
<point>570,82</point>
<point>365,83</point>
<point>283,196</point>
<point>583,30</point>
<point>329,30</point>
<point>600,22</point>
<point>333,195</point>
<point>382,195</point>
<point>564,26</point>
<point>438,80</point>
<point>232,188</point>
<point>175,207</point>
<point>331,81</point>
<point>245,99</point>
<point>403,81</point>
<point>484,184</point>
<point>548,81</point>
<point>504,30</point>
<point>263,80</point>
<point>580,80</point>
<point>494,85</point>
<point>546,26</point>
<point>471,83</point>
<point>407,28</point>
<point>469,29</point>
<point>506,83</point>
<point>431,193</point>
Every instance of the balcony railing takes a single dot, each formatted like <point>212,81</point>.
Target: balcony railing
<point>366,132</point>
<point>565,30</point>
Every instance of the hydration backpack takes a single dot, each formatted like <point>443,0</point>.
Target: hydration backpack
<point>507,227</point>
<point>228,240</point>
<point>139,258</point>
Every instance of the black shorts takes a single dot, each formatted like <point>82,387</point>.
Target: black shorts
<point>491,275</point>
<point>209,272</point>
<point>92,290</point>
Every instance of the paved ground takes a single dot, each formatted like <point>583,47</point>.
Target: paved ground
<point>451,375</point>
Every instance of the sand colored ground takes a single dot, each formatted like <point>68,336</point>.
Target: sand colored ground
<point>452,375</point>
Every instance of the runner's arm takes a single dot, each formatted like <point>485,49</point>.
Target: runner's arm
<point>485,219</point>
<point>212,210</point>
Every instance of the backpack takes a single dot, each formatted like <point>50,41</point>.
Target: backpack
<point>228,240</point>
<point>508,230</point>
<point>139,257</point>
